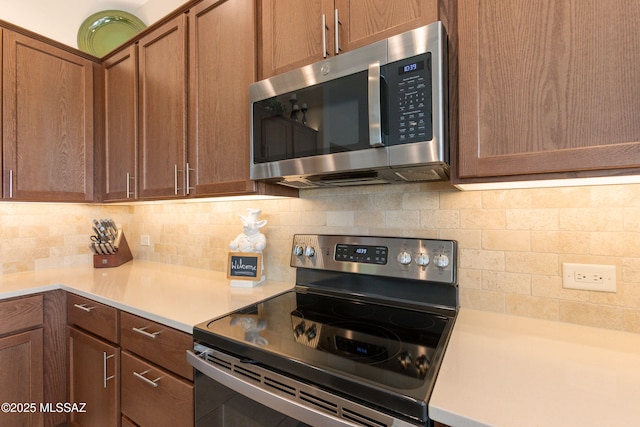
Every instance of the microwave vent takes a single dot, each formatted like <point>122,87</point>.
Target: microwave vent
<point>345,179</point>
<point>422,174</point>
<point>298,183</point>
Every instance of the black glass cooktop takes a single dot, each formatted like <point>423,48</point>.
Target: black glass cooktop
<point>338,343</point>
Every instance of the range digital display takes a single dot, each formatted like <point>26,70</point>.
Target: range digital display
<point>362,254</point>
<point>361,349</point>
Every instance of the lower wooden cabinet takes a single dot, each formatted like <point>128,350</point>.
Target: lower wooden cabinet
<point>21,377</point>
<point>152,396</point>
<point>21,360</point>
<point>94,379</point>
<point>129,371</point>
<point>157,381</point>
<point>157,343</point>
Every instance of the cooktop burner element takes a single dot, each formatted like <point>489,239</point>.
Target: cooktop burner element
<point>368,320</point>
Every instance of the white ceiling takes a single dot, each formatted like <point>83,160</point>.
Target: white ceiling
<point>60,19</point>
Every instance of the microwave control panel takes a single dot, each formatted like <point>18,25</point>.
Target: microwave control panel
<point>410,100</point>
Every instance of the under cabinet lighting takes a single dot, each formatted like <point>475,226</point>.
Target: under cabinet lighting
<point>569,182</point>
<point>194,200</point>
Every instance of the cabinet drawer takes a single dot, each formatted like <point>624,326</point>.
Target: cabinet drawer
<point>93,316</point>
<point>152,396</point>
<point>157,343</point>
<point>21,313</point>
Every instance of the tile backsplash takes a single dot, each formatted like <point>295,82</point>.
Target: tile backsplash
<point>512,243</point>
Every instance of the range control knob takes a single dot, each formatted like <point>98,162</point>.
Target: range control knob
<point>298,250</point>
<point>309,251</point>
<point>404,258</point>
<point>422,259</point>
<point>311,333</point>
<point>405,360</point>
<point>441,261</point>
<point>422,363</point>
<point>299,329</point>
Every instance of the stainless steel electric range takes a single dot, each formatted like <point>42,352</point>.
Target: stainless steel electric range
<point>357,342</point>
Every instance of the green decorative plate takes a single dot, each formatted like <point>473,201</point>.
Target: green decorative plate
<point>103,31</point>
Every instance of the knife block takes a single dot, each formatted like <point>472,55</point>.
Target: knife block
<point>122,255</point>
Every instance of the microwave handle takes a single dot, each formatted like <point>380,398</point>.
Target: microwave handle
<point>373,93</point>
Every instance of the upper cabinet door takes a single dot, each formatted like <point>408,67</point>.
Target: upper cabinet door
<point>222,65</point>
<point>548,87</point>
<point>292,33</point>
<point>162,109</point>
<point>47,122</point>
<point>362,22</point>
<point>121,125</point>
<point>296,33</point>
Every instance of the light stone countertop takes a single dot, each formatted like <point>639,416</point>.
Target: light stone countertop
<point>503,370</point>
<point>498,370</point>
<point>176,296</point>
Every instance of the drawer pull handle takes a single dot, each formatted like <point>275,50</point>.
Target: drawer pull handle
<point>105,378</point>
<point>145,333</point>
<point>83,307</point>
<point>141,375</point>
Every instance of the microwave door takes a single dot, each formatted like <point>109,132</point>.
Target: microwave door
<point>338,116</point>
<point>345,114</point>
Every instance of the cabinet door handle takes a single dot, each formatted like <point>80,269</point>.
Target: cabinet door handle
<point>175,179</point>
<point>141,375</point>
<point>188,184</point>
<point>129,192</point>
<point>83,307</point>
<point>324,36</point>
<point>11,183</point>
<point>145,333</point>
<point>337,23</point>
<point>105,378</point>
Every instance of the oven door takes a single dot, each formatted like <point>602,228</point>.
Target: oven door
<point>218,405</point>
<point>228,394</point>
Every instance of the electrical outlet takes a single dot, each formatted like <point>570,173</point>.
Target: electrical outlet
<point>591,277</point>
<point>145,240</point>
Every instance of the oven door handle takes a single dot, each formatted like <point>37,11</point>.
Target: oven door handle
<point>285,406</point>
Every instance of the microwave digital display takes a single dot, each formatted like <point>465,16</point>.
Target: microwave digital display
<point>414,66</point>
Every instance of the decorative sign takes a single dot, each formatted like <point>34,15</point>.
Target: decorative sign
<point>244,266</point>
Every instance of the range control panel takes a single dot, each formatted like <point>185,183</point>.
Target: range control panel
<point>362,253</point>
<point>411,258</point>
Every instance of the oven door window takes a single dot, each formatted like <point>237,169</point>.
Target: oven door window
<point>331,117</point>
<point>218,405</point>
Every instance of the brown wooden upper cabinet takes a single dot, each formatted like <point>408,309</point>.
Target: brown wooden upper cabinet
<point>548,88</point>
<point>219,40</point>
<point>162,110</point>
<point>296,33</point>
<point>47,122</point>
<point>121,125</point>
<point>222,40</point>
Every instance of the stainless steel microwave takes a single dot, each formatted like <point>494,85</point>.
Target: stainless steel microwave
<point>377,114</point>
